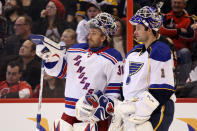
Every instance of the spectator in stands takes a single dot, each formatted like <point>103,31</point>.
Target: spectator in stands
<point>69,37</point>
<point>22,29</point>
<point>80,15</point>
<point>177,25</point>
<point>119,38</point>
<point>12,87</point>
<point>189,90</point>
<point>52,20</point>
<point>12,10</point>
<point>32,9</point>
<point>92,9</point>
<point>52,87</point>
<point>70,22</point>
<point>31,66</point>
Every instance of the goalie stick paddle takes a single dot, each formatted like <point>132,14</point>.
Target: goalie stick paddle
<point>38,118</point>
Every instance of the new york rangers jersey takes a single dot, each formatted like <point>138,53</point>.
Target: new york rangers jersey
<point>87,72</point>
<point>150,70</point>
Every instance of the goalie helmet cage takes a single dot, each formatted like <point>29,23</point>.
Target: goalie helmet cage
<point>129,26</point>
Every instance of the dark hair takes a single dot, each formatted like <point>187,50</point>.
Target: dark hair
<point>27,20</point>
<point>15,63</point>
<point>124,32</point>
<point>33,47</point>
<point>154,32</point>
<point>20,9</point>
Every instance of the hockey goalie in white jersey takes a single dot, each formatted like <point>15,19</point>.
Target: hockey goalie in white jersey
<point>148,81</point>
<point>93,74</point>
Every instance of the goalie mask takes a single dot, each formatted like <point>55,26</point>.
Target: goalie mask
<point>148,16</point>
<point>103,21</point>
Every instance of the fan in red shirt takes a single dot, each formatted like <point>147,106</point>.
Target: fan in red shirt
<point>12,87</point>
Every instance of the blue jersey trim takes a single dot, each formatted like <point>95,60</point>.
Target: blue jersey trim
<point>112,91</point>
<point>160,52</point>
<point>113,52</point>
<point>108,58</point>
<point>115,84</point>
<point>71,99</point>
<point>137,47</point>
<point>162,86</point>
<point>63,66</point>
<point>70,106</point>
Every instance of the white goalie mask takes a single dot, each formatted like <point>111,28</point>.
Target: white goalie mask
<point>148,16</point>
<point>103,21</point>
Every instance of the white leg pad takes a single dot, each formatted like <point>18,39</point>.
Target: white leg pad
<point>83,126</point>
<point>62,125</point>
<point>146,126</point>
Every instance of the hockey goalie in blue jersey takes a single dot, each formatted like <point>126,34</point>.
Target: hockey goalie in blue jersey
<point>93,74</point>
<point>148,82</point>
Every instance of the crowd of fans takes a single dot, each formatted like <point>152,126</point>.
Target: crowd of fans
<point>64,20</point>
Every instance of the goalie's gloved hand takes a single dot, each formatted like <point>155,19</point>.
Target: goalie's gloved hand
<point>104,110</point>
<point>47,49</point>
<point>86,106</point>
<point>94,107</point>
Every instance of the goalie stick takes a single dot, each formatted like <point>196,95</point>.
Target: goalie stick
<point>39,128</point>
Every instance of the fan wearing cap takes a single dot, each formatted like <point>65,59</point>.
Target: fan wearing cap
<point>92,9</point>
<point>89,68</point>
<point>148,81</point>
<point>52,22</point>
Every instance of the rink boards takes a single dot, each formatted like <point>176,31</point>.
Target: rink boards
<point>20,115</point>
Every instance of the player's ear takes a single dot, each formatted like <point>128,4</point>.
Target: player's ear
<point>103,38</point>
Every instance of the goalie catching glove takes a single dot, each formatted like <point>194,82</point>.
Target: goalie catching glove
<point>47,49</point>
<point>94,107</point>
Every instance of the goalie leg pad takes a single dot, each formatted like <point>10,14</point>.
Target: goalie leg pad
<point>146,126</point>
<point>85,126</point>
<point>61,125</point>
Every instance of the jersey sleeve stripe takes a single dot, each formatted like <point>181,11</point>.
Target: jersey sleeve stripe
<point>112,91</point>
<point>69,106</point>
<point>70,102</point>
<point>77,50</point>
<point>115,84</point>
<point>63,70</point>
<point>113,88</point>
<point>71,99</point>
<point>162,86</point>
<point>109,57</point>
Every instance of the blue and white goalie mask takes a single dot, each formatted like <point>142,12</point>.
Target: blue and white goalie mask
<point>105,22</point>
<point>148,16</point>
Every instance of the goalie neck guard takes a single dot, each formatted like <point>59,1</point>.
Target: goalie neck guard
<point>148,16</point>
<point>103,21</point>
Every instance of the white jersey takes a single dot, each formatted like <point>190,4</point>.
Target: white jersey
<point>82,31</point>
<point>149,70</point>
<point>88,72</point>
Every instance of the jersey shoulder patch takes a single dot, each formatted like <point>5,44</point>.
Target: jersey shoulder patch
<point>112,54</point>
<point>160,51</point>
<point>82,47</point>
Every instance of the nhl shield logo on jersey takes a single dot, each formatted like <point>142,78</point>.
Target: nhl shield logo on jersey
<point>134,67</point>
